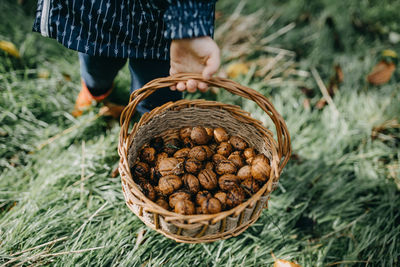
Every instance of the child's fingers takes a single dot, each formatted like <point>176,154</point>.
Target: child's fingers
<point>172,71</point>
<point>203,87</point>
<point>191,86</point>
<point>181,86</point>
<point>212,64</point>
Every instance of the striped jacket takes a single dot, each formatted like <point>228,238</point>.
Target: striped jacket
<point>124,28</point>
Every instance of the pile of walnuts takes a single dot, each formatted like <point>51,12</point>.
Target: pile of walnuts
<point>201,171</point>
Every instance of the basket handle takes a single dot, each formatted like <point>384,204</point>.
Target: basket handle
<point>284,148</point>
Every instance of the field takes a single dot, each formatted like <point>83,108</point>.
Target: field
<point>338,201</point>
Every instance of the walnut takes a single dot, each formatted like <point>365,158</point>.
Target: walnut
<point>260,168</point>
<point>211,206</point>
<point>208,179</point>
<point>201,196</point>
<point>210,132</point>
<point>148,155</point>
<point>199,135</point>
<point>193,166</point>
<point>157,143</point>
<point>209,152</point>
<point>220,135</point>
<point>249,153</point>
<point>225,167</point>
<point>187,142</point>
<point>234,197</point>
<point>162,203</point>
<point>191,182</point>
<point>175,197</point>
<point>170,166</point>
<point>216,158</point>
<point>185,207</point>
<point>158,191</point>
<point>198,152</point>
<point>236,159</point>
<point>185,132</point>
<point>244,172</point>
<point>159,157</point>
<point>213,146</point>
<point>227,181</point>
<point>171,146</point>
<point>224,149</point>
<point>238,143</point>
<point>168,184</point>
<point>250,186</point>
<point>209,166</point>
<point>148,190</point>
<point>140,169</point>
<point>221,196</point>
<point>182,153</point>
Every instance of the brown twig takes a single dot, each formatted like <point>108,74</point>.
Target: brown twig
<point>324,91</point>
<point>42,245</point>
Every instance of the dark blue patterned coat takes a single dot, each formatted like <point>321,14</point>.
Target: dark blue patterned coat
<point>124,28</point>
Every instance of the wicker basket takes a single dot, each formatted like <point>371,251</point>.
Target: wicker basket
<point>175,115</point>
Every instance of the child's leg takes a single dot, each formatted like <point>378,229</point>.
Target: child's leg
<point>145,70</point>
<point>98,73</point>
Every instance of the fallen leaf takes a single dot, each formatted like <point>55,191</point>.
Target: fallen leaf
<point>236,69</point>
<point>43,74</point>
<point>9,48</point>
<point>283,263</point>
<point>321,103</point>
<point>381,73</point>
<point>110,109</point>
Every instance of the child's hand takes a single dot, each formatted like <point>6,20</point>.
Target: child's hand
<point>198,55</point>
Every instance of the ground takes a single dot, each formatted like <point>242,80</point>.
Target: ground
<point>338,202</point>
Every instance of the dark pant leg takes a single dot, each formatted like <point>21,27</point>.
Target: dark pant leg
<point>145,70</point>
<point>99,72</point>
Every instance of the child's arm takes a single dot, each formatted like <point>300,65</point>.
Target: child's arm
<point>190,23</point>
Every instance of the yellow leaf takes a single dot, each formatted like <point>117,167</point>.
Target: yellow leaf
<point>9,48</point>
<point>236,69</point>
<point>283,263</point>
<point>389,53</point>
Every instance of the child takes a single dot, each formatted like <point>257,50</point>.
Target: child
<point>159,37</point>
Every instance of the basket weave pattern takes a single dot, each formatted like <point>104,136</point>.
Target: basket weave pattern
<point>165,121</point>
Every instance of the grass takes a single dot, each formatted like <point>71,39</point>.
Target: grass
<point>338,202</point>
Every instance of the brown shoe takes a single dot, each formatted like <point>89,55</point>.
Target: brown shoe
<point>85,99</point>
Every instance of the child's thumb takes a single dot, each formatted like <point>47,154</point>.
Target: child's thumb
<point>212,64</point>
